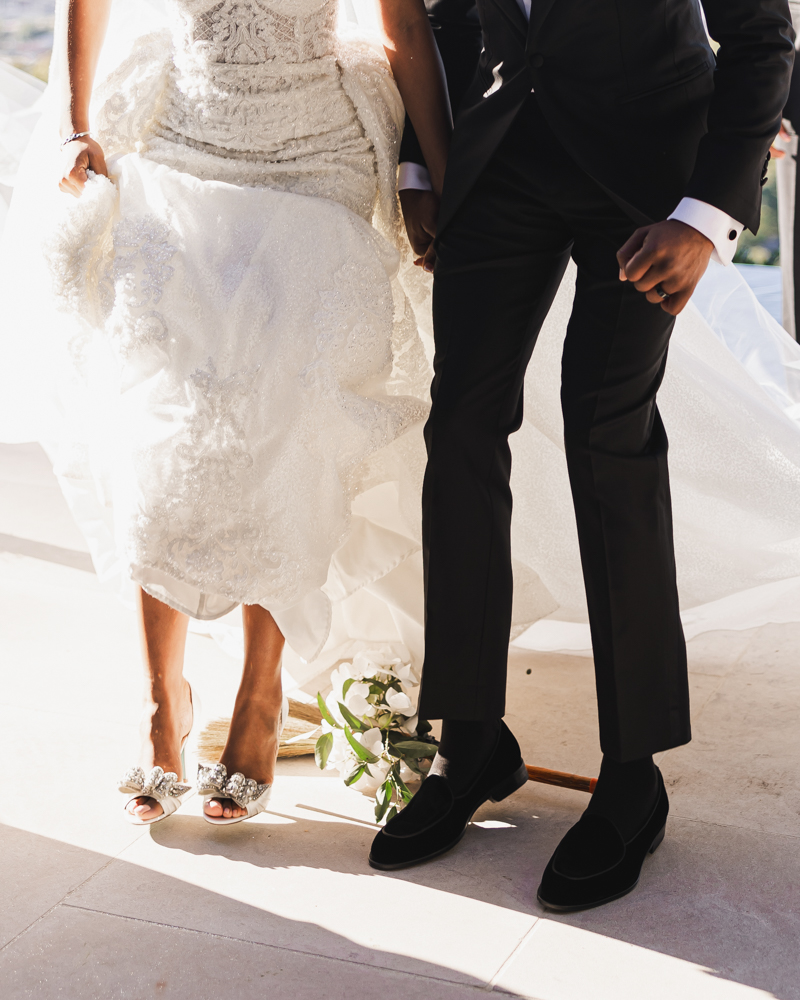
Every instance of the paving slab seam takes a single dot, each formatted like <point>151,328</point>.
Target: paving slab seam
<point>733,826</point>
<point>59,902</point>
<point>491,985</point>
<point>272,947</point>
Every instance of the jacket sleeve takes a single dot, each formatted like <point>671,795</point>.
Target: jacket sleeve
<point>457,31</point>
<point>751,86</point>
<point>792,110</point>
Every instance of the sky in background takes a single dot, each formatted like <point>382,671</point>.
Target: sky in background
<point>26,34</point>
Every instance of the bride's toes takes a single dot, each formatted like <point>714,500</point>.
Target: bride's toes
<point>219,808</point>
<point>144,808</point>
<point>222,809</point>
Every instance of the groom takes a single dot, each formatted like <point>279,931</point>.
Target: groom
<point>605,131</point>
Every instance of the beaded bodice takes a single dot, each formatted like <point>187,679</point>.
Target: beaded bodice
<point>255,32</point>
<point>258,77</point>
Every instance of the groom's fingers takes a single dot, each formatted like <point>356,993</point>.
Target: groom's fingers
<point>665,261</point>
<point>627,252</point>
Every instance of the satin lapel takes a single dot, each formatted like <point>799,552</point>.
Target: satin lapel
<point>539,11</point>
<point>512,11</point>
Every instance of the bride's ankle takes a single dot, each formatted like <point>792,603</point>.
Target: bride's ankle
<point>172,696</point>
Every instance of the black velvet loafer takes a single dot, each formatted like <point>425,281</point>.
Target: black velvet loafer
<point>435,820</point>
<point>593,864</point>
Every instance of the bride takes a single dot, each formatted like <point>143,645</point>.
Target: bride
<point>237,328</point>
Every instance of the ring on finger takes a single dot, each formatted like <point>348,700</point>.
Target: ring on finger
<point>660,290</point>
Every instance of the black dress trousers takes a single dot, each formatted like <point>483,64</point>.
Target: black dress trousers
<point>499,264</point>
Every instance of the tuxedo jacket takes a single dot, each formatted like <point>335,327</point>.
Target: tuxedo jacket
<point>634,92</point>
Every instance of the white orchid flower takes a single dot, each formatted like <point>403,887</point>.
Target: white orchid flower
<point>371,740</point>
<point>370,782</point>
<point>372,664</point>
<point>341,752</point>
<point>399,702</point>
<point>332,704</point>
<point>406,674</point>
<point>410,726</point>
<point>413,694</point>
<point>356,700</point>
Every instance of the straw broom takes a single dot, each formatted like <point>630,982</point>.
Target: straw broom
<point>302,730</point>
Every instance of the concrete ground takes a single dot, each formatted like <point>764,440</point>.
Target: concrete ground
<point>287,907</point>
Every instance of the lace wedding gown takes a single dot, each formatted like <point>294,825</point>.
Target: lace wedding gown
<point>232,373</point>
<point>240,361</point>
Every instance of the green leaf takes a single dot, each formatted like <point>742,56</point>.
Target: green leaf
<point>325,713</point>
<point>392,814</point>
<point>403,789</point>
<point>323,750</point>
<point>356,774</point>
<point>423,727</point>
<point>360,751</point>
<point>347,685</point>
<point>383,799</point>
<point>351,719</point>
<point>416,749</point>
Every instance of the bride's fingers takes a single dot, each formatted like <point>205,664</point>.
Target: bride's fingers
<point>68,186</point>
<point>97,163</point>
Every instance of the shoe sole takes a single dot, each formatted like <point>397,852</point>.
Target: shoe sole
<point>577,907</point>
<point>506,787</point>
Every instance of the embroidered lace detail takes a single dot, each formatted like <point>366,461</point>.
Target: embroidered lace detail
<point>134,282</point>
<point>249,32</point>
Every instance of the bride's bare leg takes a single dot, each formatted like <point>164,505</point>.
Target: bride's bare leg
<point>167,716</point>
<point>252,745</point>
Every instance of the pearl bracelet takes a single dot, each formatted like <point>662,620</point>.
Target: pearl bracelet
<point>73,137</point>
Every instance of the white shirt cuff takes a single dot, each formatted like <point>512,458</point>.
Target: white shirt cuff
<point>714,224</point>
<point>413,176</point>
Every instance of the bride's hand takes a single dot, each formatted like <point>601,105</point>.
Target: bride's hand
<point>77,157</point>
<point>420,211</point>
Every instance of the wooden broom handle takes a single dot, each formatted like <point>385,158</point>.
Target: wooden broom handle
<point>561,778</point>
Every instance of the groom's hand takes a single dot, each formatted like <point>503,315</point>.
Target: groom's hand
<point>669,255</point>
<point>420,211</point>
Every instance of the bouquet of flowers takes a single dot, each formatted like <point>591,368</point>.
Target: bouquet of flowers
<point>371,731</point>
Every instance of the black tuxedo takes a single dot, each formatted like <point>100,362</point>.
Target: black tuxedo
<point>632,90</point>
<point>628,115</point>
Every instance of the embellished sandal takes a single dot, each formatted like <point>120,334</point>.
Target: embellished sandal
<point>163,787</point>
<point>213,783</point>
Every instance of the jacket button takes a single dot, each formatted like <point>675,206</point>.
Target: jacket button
<point>537,60</point>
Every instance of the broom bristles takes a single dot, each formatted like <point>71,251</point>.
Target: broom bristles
<point>298,739</point>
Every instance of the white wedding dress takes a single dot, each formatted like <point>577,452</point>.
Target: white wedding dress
<point>226,352</point>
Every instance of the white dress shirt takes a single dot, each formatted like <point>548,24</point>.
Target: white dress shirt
<point>713,223</point>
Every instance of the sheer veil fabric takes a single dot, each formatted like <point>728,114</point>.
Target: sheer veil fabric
<point>332,541</point>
